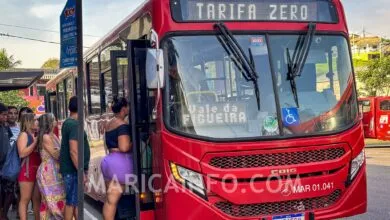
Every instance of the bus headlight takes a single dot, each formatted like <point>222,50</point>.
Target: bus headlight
<point>190,179</point>
<point>356,164</point>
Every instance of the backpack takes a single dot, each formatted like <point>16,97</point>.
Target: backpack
<point>12,164</point>
<point>4,145</point>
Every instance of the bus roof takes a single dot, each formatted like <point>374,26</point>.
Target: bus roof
<point>117,32</point>
<point>16,79</point>
<point>160,8</point>
<point>63,74</point>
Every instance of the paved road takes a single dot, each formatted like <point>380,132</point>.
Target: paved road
<point>93,209</point>
<point>378,194</point>
<point>378,171</point>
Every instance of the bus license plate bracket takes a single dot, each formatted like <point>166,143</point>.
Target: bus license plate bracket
<point>297,216</point>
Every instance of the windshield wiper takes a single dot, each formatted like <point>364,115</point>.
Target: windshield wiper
<point>297,62</point>
<point>246,65</point>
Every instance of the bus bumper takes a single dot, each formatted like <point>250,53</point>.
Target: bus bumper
<point>354,201</point>
<point>182,204</point>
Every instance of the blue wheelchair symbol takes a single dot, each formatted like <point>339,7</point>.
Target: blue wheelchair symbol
<point>290,116</point>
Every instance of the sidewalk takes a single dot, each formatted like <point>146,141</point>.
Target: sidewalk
<point>12,214</point>
<point>376,143</point>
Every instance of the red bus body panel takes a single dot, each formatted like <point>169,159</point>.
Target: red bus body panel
<point>180,203</point>
<point>175,148</point>
<point>382,119</point>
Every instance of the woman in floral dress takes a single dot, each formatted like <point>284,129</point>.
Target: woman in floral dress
<point>49,179</point>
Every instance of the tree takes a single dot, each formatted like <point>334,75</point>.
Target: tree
<point>52,63</point>
<point>376,77</point>
<point>7,62</point>
<point>15,97</point>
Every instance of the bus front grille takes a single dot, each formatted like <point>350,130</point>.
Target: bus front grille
<point>276,159</point>
<point>261,209</point>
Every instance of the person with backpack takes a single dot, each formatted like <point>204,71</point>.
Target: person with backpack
<point>5,185</point>
<point>8,196</point>
<point>28,152</point>
<point>14,126</point>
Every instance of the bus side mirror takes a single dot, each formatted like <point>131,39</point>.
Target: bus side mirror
<point>155,69</point>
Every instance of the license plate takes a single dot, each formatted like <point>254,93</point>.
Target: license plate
<point>300,216</point>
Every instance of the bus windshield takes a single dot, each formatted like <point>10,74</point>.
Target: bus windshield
<point>207,95</point>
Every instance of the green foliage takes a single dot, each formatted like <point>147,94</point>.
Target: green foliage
<point>359,63</point>
<point>376,76</point>
<point>7,62</point>
<point>14,98</point>
<point>52,63</point>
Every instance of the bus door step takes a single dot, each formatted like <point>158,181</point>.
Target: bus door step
<point>126,208</point>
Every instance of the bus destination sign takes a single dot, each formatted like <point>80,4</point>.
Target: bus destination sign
<point>253,10</point>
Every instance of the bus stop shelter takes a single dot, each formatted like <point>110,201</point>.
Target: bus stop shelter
<point>14,80</point>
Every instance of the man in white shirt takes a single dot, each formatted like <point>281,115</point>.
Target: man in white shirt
<point>12,119</point>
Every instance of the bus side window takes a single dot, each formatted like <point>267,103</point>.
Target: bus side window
<point>93,87</point>
<point>68,85</point>
<point>365,106</point>
<point>385,105</point>
<point>107,76</point>
<point>60,101</point>
<point>107,91</point>
<point>123,89</point>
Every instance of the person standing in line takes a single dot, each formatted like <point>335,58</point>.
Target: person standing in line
<point>28,152</point>
<point>12,122</point>
<point>49,179</point>
<point>6,186</point>
<point>69,159</point>
<point>22,111</point>
<point>119,162</point>
<point>9,186</point>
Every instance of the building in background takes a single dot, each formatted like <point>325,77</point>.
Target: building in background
<point>366,48</point>
<point>35,93</point>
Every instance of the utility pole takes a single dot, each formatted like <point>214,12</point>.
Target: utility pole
<point>380,47</point>
<point>364,32</point>
<point>80,107</point>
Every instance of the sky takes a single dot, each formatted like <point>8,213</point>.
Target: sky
<point>100,16</point>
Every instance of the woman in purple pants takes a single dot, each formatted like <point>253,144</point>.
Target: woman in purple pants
<point>118,163</point>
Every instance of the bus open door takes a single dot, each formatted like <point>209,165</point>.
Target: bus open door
<point>129,80</point>
<point>368,111</point>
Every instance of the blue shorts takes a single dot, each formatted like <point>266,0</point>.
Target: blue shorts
<point>70,181</point>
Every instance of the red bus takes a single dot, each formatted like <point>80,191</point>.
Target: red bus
<point>58,92</point>
<point>376,117</point>
<point>239,110</point>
